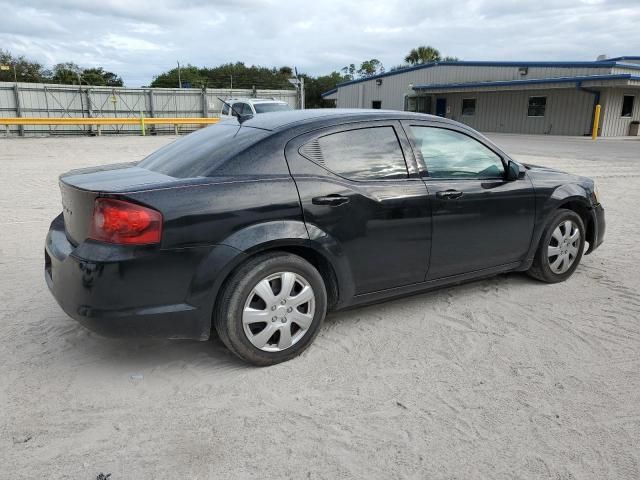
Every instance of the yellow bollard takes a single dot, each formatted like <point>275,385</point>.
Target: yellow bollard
<point>142,124</point>
<point>596,122</point>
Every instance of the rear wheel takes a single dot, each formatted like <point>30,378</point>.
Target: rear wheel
<point>271,308</point>
<point>560,249</point>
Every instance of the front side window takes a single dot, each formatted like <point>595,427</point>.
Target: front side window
<point>450,154</point>
<point>627,105</point>
<point>271,107</point>
<point>241,108</point>
<point>364,154</point>
<point>468,107</point>
<point>246,109</point>
<point>236,109</point>
<point>537,106</point>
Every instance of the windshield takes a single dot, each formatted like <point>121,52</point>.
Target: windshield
<point>271,107</point>
<point>201,152</point>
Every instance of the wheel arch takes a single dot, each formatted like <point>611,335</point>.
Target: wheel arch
<point>568,196</point>
<point>295,237</point>
<point>312,254</point>
<point>582,207</point>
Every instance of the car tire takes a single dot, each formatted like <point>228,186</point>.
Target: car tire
<point>253,303</point>
<point>559,253</point>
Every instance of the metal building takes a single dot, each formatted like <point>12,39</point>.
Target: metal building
<point>556,98</point>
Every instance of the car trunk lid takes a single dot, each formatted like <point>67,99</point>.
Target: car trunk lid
<point>80,188</point>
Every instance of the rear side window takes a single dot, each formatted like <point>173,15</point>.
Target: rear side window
<point>364,154</point>
<point>200,153</point>
<point>449,154</point>
<point>225,109</point>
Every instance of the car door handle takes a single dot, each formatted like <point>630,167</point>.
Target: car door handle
<point>331,200</point>
<point>449,194</point>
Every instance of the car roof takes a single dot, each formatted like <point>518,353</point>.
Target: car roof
<point>329,116</point>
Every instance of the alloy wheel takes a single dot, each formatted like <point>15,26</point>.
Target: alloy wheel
<point>278,311</point>
<point>563,247</point>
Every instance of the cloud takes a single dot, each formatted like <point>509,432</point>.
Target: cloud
<point>141,39</point>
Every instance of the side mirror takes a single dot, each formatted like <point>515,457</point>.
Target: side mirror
<point>513,171</point>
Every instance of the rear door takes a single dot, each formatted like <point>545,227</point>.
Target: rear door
<point>480,220</point>
<point>359,184</point>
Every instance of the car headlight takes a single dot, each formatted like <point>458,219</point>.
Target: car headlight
<point>596,193</point>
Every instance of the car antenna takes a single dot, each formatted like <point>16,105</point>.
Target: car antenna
<point>241,118</point>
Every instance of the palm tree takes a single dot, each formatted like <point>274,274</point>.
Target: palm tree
<point>422,54</point>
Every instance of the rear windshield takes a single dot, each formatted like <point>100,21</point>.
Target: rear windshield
<point>200,153</point>
<point>271,107</point>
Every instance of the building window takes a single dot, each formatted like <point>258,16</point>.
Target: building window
<point>537,106</point>
<point>376,104</point>
<point>627,105</point>
<point>468,107</point>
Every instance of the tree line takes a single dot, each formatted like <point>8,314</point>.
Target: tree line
<point>21,69</point>
<point>230,75</point>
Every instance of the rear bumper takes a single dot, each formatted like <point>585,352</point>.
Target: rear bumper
<point>135,291</point>
<point>599,228</point>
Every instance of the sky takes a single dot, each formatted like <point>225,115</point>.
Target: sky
<point>138,39</point>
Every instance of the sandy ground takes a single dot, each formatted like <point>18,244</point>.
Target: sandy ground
<point>506,378</point>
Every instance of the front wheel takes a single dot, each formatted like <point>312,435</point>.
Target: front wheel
<point>271,308</point>
<point>560,249</point>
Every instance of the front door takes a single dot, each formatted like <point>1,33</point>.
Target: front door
<point>441,107</point>
<point>480,220</point>
<point>357,189</point>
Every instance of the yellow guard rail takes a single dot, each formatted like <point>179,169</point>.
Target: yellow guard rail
<point>99,121</point>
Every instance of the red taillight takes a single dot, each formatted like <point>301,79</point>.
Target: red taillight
<point>117,221</point>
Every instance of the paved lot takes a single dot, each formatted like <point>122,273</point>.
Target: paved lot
<point>505,378</point>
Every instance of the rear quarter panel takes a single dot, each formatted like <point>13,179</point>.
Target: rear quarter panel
<point>209,214</point>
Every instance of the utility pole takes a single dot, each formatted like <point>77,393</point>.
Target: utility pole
<point>179,79</point>
<point>81,100</point>
<point>16,91</point>
<point>298,82</point>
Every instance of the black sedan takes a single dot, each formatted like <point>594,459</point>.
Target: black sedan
<point>258,228</point>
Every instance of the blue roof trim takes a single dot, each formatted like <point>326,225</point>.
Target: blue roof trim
<point>504,83</point>
<point>608,63</point>
<point>462,63</point>
<point>617,59</point>
<point>329,92</point>
<point>630,66</point>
